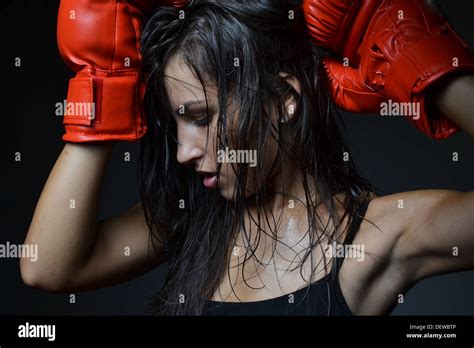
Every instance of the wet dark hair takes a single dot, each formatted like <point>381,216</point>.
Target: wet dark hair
<point>197,226</point>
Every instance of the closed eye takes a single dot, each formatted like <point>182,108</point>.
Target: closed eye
<point>203,121</point>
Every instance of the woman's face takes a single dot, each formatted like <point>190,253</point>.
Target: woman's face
<point>197,139</point>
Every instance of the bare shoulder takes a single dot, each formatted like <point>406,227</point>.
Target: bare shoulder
<point>397,211</point>
<point>390,218</point>
<point>401,213</point>
<point>371,284</point>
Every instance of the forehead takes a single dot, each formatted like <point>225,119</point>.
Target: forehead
<point>182,85</point>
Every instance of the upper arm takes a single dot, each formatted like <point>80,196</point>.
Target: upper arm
<point>122,251</point>
<point>439,232</point>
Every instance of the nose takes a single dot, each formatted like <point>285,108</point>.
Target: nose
<point>189,148</point>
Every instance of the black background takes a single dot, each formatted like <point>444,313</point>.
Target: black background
<point>392,154</point>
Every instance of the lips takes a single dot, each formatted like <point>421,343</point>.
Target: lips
<point>210,181</point>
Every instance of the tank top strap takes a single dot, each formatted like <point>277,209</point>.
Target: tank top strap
<point>349,238</point>
<point>358,221</point>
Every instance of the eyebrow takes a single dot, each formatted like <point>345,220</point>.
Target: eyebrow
<point>191,104</point>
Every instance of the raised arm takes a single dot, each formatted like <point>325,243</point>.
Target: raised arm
<point>75,252</point>
<point>100,42</point>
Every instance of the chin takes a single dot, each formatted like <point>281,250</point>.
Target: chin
<point>228,193</point>
<point>227,186</point>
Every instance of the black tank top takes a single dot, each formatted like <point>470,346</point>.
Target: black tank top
<point>323,297</point>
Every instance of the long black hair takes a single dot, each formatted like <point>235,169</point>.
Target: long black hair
<point>242,46</point>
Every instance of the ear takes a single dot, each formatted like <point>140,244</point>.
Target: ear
<point>290,101</point>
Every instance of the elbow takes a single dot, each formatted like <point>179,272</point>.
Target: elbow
<point>36,277</point>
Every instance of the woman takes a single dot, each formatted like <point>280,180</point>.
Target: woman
<point>246,187</point>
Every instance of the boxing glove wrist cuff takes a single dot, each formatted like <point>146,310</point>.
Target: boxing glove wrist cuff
<point>104,106</point>
<point>421,67</point>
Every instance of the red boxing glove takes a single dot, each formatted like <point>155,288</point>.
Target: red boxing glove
<point>99,40</point>
<point>406,50</point>
<point>339,25</point>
